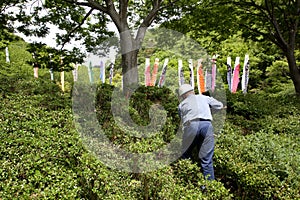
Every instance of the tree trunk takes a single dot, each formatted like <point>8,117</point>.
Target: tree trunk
<point>294,70</point>
<point>129,50</point>
<point>129,70</point>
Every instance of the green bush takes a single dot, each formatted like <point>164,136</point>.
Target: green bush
<point>120,131</point>
<point>254,112</point>
<point>259,166</point>
<point>42,156</point>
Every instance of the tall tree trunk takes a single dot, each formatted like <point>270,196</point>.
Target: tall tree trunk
<point>129,50</point>
<point>294,70</point>
<point>129,70</point>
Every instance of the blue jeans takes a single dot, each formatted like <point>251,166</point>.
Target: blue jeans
<point>200,134</point>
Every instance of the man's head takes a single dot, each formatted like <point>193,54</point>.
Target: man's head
<point>184,90</point>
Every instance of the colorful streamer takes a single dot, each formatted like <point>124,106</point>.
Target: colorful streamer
<point>75,72</point>
<point>90,71</point>
<point>7,55</point>
<point>62,75</point>
<point>245,76</point>
<point>111,73</point>
<point>229,72</point>
<point>191,68</point>
<point>51,68</point>
<point>147,72</point>
<point>35,70</point>
<point>162,78</point>
<point>154,73</point>
<point>102,72</point>
<point>180,73</point>
<point>235,76</point>
<point>51,74</point>
<point>207,80</point>
<point>200,77</point>
<point>213,73</point>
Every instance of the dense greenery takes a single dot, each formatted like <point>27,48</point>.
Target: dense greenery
<point>270,30</point>
<point>257,155</point>
<point>42,155</point>
<point>266,21</point>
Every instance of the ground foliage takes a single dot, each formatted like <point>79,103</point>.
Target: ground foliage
<point>42,155</point>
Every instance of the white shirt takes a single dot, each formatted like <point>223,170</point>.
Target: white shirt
<point>197,106</point>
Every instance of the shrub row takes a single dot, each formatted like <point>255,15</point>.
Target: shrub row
<point>42,155</point>
<point>257,155</point>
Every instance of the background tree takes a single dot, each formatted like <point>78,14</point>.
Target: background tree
<point>88,21</point>
<point>7,17</point>
<point>259,20</point>
<point>44,54</point>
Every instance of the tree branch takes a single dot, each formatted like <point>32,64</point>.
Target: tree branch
<point>293,30</point>
<point>278,34</point>
<point>109,9</point>
<point>92,4</point>
<point>168,5</point>
<point>151,15</point>
<point>123,8</point>
<point>147,21</point>
<point>262,16</point>
<point>115,17</point>
<point>254,5</point>
<point>272,39</point>
<point>298,7</point>
<point>78,26</point>
<point>98,6</point>
<point>78,3</point>
<point>4,8</point>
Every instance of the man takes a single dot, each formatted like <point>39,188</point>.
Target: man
<point>195,114</point>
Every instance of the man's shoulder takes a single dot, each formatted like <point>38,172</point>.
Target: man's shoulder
<point>201,96</point>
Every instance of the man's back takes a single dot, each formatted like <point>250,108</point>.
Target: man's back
<point>197,106</point>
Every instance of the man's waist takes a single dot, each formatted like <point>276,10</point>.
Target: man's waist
<point>194,120</point>
<point>199,119</point>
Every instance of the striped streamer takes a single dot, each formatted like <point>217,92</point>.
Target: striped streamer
<point>213,73</point>
<point>200,77</point>
<point>111,73</point>
<point>180,73</point>
<point>7,55</point>
<point>245,76</point>
<point>154,73</point>
<point>90,72</point>
<point>147,72</point>
<point>102,72</point>
<point>235,76</point>
<point>229,72</point>
<point>191,68</point>
<point>207,80</point>
<point>162,78</point>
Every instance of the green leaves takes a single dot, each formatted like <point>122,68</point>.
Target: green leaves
<point>46,57</point>
<point>261,162</point>
<point>42,155</point>
<point>270,22</point>
<point>139,110</point>
<point>257,149</point>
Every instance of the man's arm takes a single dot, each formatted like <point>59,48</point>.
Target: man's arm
<point>179,113</point>
<point>215,103</point>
